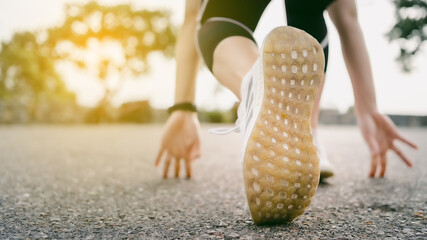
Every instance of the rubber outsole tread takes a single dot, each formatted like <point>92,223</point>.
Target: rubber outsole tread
<point>280,166</point>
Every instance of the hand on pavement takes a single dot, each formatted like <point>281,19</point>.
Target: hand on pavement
<point>380,133</point>
<point>180,142</point>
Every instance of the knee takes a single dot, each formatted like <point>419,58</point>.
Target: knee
<point>234,56</point>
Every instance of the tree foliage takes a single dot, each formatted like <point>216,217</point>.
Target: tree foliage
<point>130,36</point>
<point>410,29</point>
<point>28,78</point>
<point>134,33</point>
<point>113,42</point>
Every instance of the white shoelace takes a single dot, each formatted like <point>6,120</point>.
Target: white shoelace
<point>236,128</point>
<point>226,130</point>
<point>242,111</point>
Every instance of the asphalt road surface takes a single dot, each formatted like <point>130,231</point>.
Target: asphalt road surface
<point>92,182</point>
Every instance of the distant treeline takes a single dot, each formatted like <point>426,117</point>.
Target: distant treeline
<point>142,112</point>
<point>131,112</point>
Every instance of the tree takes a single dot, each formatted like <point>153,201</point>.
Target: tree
<point>28,79</point>
<point>124,38</point>
<point>410,29</point>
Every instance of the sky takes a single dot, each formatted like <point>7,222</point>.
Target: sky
<point>397,92</point>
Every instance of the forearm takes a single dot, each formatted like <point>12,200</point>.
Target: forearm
<point>187,63</point>
<point>359,68</point>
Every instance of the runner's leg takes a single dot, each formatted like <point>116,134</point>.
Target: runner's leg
<point>311,20</point>
<point>225,38</point>
<point>232,59</point>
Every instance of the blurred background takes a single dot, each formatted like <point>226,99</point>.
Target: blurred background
<point>111,61</point>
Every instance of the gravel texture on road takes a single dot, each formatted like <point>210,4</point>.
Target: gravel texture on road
<point>92,182</point>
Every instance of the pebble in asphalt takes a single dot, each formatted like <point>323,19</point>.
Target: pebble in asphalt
<point>91,182</point>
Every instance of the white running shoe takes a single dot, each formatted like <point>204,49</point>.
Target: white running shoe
<point>280,163</point>
<point>326,169</point>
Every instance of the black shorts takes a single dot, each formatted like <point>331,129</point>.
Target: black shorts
<point>220,19</point>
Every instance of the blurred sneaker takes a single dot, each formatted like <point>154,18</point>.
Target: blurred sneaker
<point>280,163</point>
<point>326,169</point>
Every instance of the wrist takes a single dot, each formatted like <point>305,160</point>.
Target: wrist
<point>183,116</point>
<point>363,111</point>
<point>183,113</point>
<point>366,115</point>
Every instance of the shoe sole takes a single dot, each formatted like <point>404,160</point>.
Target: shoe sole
<point>280,163</point>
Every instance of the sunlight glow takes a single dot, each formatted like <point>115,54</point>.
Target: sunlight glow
<point>158,86</point>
